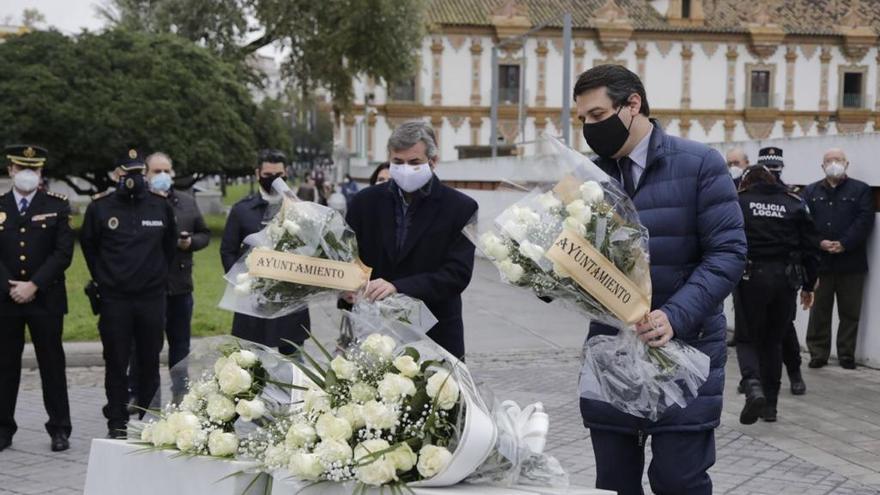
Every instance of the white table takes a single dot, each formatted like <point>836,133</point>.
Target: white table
<point>116,466</point>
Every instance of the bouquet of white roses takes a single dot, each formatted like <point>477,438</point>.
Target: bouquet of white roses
<point>580,241</point>
<point>244,383</point>
<point>304,251</point>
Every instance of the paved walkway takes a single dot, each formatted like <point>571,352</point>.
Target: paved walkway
<point>826,442</point>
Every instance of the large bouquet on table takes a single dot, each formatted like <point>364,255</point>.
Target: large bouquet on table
<point>580,241</point>
<point>304,251</point>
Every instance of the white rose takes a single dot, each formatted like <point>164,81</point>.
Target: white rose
<point>147,433</point>
<point>244,358</point>
<point>579,210</point>
<point>403,457</point>
<point>393,387</point>
<point>205,388</point>
<point>572,223</point>
<point>377,473</point>
<point>511,271</point>
<point>549,201</point>
<point>221,443</point>
<point>516,230</point>
<point>592,192</point>
<point>299,435</point>
<point>362,392</point>
<point>190,439</point>
<point>443,389</point>
<point>525,215</point>
<point>407,366</point>
<point>190,402</point>
<point>344,368</point>
<point>379,416</point>
<point>220,408</point>
<point>182,420</point>
<point>233,380</point>
<point>331,451</point>
<point>250,410</point>
<point>531,251</point>
<point>223,360</point>
<point>560,271</point>
<point>380,346</point>
<point>353,413</point>
<point>316,400</point>
<point>368,447</point>
<point>333,428</point>
<point>291,227</point>
<point>244,288</point>
<point>432,460</point>
<point>277,455</point>
<point>275,231</point>
<point>163,434</point>
<point>305,466</point>
<point>494,247</point>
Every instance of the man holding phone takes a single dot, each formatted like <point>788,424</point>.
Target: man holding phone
<point>193,235</point>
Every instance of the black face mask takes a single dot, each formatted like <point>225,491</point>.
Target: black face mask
<point>266,182</point>
<point>606,137</point>
<point>132,184</point>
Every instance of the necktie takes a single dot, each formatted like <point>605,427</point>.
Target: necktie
<point>22,206</point>
<point>626,174</point>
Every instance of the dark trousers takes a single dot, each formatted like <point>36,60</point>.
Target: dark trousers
<point>791,347</point>
<point>178,331</point>
<point>680,462</point>
<point>294,327</point>
<point>45,333</point>
<point>847,287</point>
<point>770,304</point>
<point>123,322</point>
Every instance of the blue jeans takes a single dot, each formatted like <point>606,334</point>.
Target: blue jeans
<point>178,329</point>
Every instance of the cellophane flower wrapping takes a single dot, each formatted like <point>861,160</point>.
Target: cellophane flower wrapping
<point>302,228</point>
<point>589,205</point>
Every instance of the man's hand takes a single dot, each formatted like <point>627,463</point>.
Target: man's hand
<point>348,296</point>
<point>379,289</point>
<point>184,242</point>
<point>807,299</point>
<point>826,245</point>
<point>22,292</point>
<point>655,329</point>
<point>836,248</point>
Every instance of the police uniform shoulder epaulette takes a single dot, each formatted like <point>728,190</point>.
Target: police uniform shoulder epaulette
<point>160,194</point>
<point>56,195</point>
<point>794,195</point>
<point>101,195</point>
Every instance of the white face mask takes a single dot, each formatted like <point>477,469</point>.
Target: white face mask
<point>411,177</point>
<point>835,170</point>
<point>735,172</point>
<point>26,180</point>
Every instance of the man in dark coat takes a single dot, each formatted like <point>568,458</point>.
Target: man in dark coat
<point>36,246</point>
<point>843,209</point>
<point>409,231</point>
<point>193,235</point>
<point>684,196</point>
<point>248,216</point>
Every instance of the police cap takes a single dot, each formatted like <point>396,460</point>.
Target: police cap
<point>771,157</point>
<point>26,155</point>
<point>131,160</point>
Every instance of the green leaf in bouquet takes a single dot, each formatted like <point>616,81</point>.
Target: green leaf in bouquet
<point>412,352</point>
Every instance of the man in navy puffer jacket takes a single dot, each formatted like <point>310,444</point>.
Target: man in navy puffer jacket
<point>686,199</point>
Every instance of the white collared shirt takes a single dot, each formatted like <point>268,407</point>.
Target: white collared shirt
<point>18,197</point>
<point>639,157</point>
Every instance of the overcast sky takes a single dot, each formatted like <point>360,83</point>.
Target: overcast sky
<point>69,16</point>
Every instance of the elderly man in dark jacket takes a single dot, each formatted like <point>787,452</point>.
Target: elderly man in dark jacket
<point>843,209</point>
<point>684,196</point>
<point>409,230</point>
<point>193,235</point>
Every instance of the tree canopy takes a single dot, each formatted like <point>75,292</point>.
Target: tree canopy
<point>89,98</point>
<point>325,43</point>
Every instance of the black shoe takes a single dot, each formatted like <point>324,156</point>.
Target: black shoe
<point>816,363</point>
<point>5,441</point>
<point>133,407</point>
<point>798,387</point>
<point>60,442</point>
<point>755,402</point>
<point>769,414</point>
<point>848,363</point>
<point>117,433</point>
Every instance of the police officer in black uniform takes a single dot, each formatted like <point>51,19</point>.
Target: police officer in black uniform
<point>782,257</point>
<point>129,239</point>
<point>250,215</point>
<point>36,247</point>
